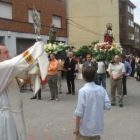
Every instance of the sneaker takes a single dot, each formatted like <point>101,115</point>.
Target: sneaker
<point>57,99</point>
<point>117,95</point>
<point>113,104</point>
<point>125,96</point>
<point>121,105</point>
<point>51,99</point>
<point>73,93</point>
<point>34,97</point>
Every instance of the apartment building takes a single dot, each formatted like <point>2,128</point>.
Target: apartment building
<point>16,24</point>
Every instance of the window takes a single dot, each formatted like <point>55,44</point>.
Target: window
<point>5,10</point>
<point>2,40</point>
<point>131,36</point>
<point>130,10</point>
<point>130,23</point>
<point>137,30</point>
<point>56,21</point>
<point>30,19</point>
<point>137,40</point>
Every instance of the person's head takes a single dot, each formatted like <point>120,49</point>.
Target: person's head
<point>131,56</point>
<point>124,58</point>
<point>70,55</point>
<point>89,57</point>
<point>4,53</point>
<point>89,74</point>
<point>117,59</point>
<point>52,56</point>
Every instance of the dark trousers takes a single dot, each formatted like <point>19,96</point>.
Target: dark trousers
<point>63,74</point>
<point>132,73</point>
<point>124,79</point>
<point>39,93</point>
<point>70,81</point>
<point>138,75</point>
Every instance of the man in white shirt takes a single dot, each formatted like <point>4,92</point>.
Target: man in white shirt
<point>101,73</point>
<point>116,72</point>
<point>92,101</point>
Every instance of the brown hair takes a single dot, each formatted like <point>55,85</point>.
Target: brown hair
<point>89,73</point>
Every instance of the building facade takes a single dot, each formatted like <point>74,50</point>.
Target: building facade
<point>137,39</point>
<point>87,22</point>
<point>127,32</point>
<point>16,24</point>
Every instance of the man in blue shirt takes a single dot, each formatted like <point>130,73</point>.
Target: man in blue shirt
<point>92,101</point>
<point>128,71</point>
<point>91,64</point>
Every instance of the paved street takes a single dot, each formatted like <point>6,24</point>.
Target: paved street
<point>55,120</point>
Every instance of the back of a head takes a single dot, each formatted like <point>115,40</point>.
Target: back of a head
<point>89,73</point>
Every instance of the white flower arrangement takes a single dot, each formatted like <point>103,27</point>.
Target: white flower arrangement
<point>54,48</point>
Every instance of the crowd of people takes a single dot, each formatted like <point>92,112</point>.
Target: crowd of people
<point>71,69</point>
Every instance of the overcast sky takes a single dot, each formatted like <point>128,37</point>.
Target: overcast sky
<point>136,11</point>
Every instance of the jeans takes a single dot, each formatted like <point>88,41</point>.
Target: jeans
<point>102,79</point>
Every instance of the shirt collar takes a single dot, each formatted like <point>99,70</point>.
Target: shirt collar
<point>89,84</point>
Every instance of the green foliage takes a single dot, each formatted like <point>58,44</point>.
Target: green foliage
<point>95,42</point>
<point>83,51</point>
<point>62,49</point>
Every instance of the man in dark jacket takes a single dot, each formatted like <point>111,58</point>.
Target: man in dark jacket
<point>70,68</point>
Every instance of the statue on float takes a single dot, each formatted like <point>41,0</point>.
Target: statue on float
<point>108,35</point>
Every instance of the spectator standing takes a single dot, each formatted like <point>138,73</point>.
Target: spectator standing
<point>138,71</point>
<point>116,72</point>
<point>59,77</point>
<point>101,73</point>
<point>70,69</point>
<point>52,77</point>
<point>91,64</point>
<point>63,70</point>
<point>128,71</point>
<point>132,64</point>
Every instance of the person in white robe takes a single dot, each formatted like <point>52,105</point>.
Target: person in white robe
<point>12,123</point>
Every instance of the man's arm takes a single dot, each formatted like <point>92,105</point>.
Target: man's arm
<point>129,69</point>
<point>9,69</point>
<point>79,111</point>
<point>78,119</point>
<point>119,75</point>
<point>109,71</point>
<point>107,104</point>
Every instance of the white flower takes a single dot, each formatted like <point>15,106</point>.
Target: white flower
<point>49,46</point>
<point>54,46</point>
